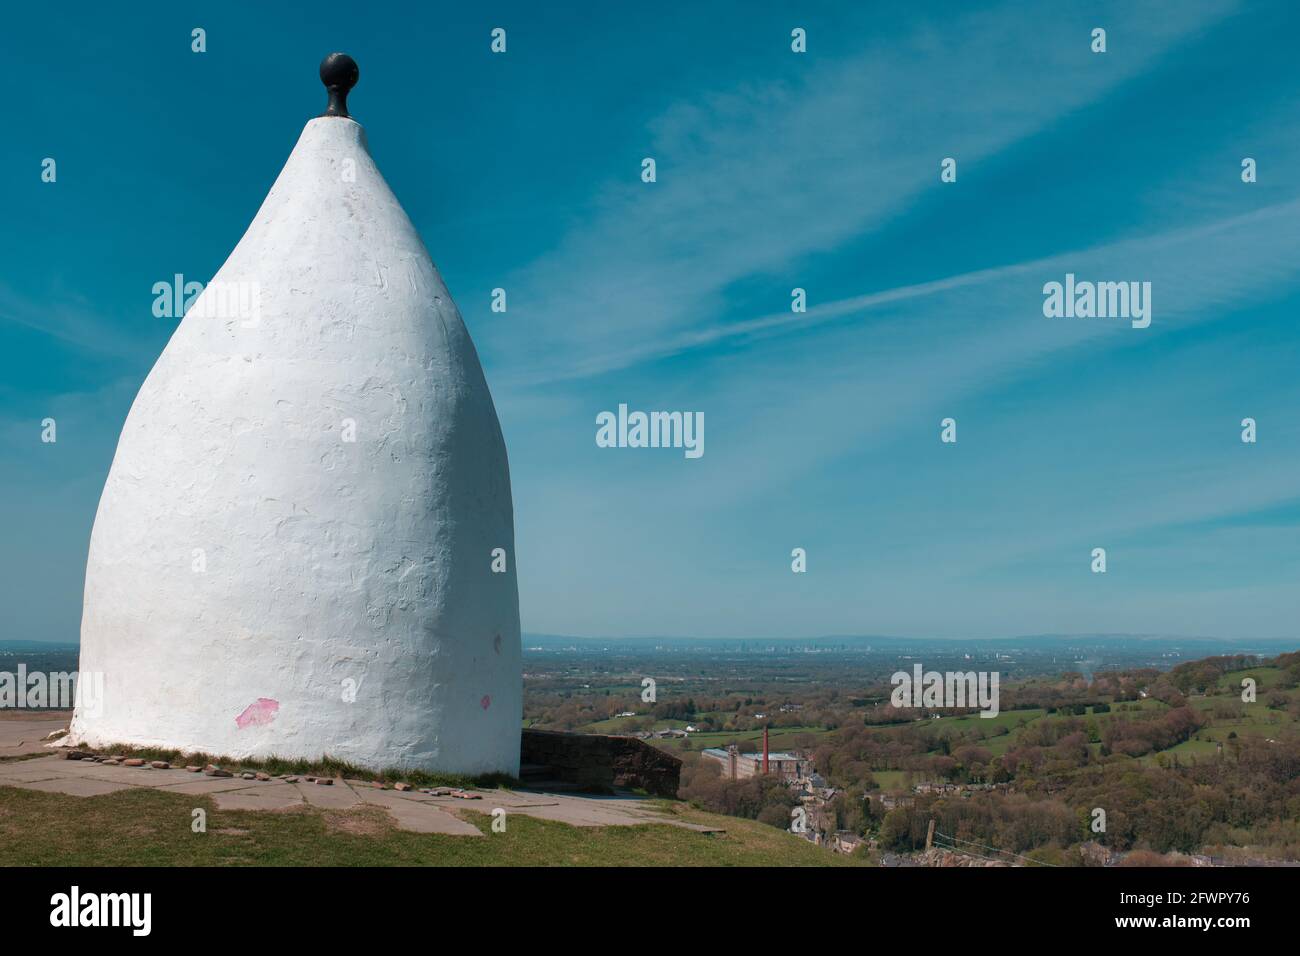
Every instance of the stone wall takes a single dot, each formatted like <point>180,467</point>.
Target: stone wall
<point>603,762</point>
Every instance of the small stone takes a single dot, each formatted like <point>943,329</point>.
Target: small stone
<point>325,781</point>
<point>440,791</point>
<point>75,755</point>
<point>160,765</point>
<point>310,779</point>
<point>193,769</point>
<point>290,779</point>
<point>262,776</point>
<point>248,775</point>
<point>402,787</point>
<point>222,773</point>
<point>461,794</point>
<point>378,785</point>
<point>112,762</point>
<point>133,762</point>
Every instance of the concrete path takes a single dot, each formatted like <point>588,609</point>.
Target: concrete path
<point>419,816</point>
<point>24,731</point>
<point>411,810</point>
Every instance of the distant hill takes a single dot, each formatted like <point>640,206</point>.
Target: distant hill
<point>49,647</point>
<point>1183,645</point>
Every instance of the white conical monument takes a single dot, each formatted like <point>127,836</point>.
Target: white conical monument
<point>305,546</point>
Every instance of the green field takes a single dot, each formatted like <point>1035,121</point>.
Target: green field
<point>144,827</point>
<point>779,738</point>
<point>1260,721</point>
<point>627,725</point>
<point>889,779</point>
<point>1266,678</point>
<point>1013,720</point>
<point>1204,743</point>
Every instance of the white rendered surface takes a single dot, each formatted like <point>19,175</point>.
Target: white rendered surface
<point>327,561</point>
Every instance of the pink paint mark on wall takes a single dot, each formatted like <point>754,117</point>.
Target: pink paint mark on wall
<point>259,713</point>
<point>486,702</point>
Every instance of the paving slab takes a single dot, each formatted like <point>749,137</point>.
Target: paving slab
<point>198,785</point>
<point>415,795</point>
<point>252,800</point>
<point>74,786</point>
<point>24,732</point>
<point>277,791</point>
<point>410,810</point>
<point>508,798</point>
<point>137,776</point>
<point>417,816</point>
<point>132,776</point>
<point>26,776</point>
<point>338,797</point>
<point>581,811</point>
<point>46,762</point>
<point>582,817</point>
<point>29,770</point>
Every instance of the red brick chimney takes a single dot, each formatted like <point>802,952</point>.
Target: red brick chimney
<point>765,748</point>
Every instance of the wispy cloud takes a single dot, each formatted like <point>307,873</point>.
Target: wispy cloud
<point>1258,252</point>
<point>753,179</point>
<point>72,319</point>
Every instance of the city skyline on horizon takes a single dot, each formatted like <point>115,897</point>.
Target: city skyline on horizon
<point>531,637</point>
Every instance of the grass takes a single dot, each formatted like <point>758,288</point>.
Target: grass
<point>1259,722</point>
<point>778,738</point>
<point>625,725</point>
<point>889,779</point>
<point>1011,719</point>
<point>144,827</point>
<point>1265,678</point>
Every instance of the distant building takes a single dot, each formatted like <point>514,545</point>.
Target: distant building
<point>846,841</point>
<point>889,800</point>
<point>738,766</point>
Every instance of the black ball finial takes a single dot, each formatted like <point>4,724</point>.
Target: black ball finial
<point>339,73</point>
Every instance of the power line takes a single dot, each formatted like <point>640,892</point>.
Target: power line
<point>978,856</point>
<point>993,848</point>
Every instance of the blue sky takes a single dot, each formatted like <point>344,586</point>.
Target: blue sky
<point>775,170</point>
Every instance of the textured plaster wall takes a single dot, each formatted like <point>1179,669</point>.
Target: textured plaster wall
<point>326,561</point>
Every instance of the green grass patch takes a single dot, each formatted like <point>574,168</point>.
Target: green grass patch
<point>889,779</point>
<point>144,827</point>
<point>779,738</point>
<point>1011,719</point>
<point>1265,678</point>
